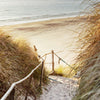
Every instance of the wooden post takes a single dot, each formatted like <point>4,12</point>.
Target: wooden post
<point>11,97</point>
<point>52,61</point>
<point>28,86</point>
<point>26,96</point>
<point>34,94</point>
<point>41,77</point>
<point>59,61</point>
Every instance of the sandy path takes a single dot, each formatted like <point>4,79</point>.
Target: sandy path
<point>60,88</point>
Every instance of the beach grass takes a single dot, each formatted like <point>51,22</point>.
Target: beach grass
<point>66,71</point>
<point>89,57</point>
<point>17,59</point>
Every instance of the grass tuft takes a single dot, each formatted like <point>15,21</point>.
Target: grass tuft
<point>66,71</point>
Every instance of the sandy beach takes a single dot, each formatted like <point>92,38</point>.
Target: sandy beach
<point>60,35</point>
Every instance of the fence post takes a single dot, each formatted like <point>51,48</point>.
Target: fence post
<point>53,61</point>
<point>41,76</point>
<point>28,85</point>
<point>11,96</point>
<point>59,61</point>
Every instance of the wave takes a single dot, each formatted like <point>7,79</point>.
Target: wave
<point>25,19</point>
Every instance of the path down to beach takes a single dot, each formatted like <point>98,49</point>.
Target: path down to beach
<point>60,35</point>
<point>59,88</point>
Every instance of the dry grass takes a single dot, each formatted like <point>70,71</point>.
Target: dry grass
<point>17,59</point>
<point>89,58</point>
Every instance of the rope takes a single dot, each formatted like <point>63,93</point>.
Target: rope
<point>50,53</point>
<point>18,82</point>
<point>64,61</point>
<point>59,58</point>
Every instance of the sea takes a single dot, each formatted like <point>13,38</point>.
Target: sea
<point>24,11</point>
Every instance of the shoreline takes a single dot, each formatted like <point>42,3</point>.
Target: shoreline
<point>41,20</point>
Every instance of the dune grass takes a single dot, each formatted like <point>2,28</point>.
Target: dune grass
<point>17,59</point>
<point>89,58</point>
<point>66,71</point>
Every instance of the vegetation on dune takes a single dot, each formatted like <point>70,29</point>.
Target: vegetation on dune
<point>17,59</point>
<point>89,58</point>
<point>66,71</point>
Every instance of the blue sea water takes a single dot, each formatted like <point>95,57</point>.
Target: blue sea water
<point>20,11</point>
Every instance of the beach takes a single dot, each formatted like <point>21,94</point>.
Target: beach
<point>60,35</point>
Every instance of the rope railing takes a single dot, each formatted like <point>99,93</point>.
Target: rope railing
<point>50,53</point>
<point>63,61</point>
<point>20,81</point>
<point>11,89</point>
<point>60,59</point>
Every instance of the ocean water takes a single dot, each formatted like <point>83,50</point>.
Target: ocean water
<point>22,11</point>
